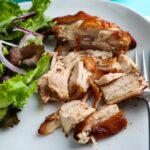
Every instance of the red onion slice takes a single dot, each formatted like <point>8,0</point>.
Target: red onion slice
<point>18,28</point>
<point>7,63</point>
<point>25,16</point>
<point>24,40</point>
<point>7,43</point>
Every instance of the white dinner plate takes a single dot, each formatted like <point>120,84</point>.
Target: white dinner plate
<point>135,137</point>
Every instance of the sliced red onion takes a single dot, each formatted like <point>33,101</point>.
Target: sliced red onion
<point>24,39</point>
<point>18,28</point>
<point>25,16</point>
<point>7,63</point>
<point>7,43</point>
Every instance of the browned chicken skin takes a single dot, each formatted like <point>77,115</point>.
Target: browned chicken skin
<point>107,121</point>
<point>83,31</point>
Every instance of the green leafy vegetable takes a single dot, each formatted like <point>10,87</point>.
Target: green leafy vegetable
<point>10,119</point>
<point>15,91</point>
<point>10,11</point>
<point>2,68</point>
<point>3,113</point>
<point>37,40</point>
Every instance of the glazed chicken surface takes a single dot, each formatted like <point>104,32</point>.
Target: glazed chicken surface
<point>84,31</point>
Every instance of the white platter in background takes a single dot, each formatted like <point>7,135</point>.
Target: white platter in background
<point>136,137</point>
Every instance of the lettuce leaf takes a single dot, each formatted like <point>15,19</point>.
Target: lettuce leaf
<point>2,68</point>
<point>15,91</point>
<point>10,11</point>
<point>10,119</point>
<point>3,113</point>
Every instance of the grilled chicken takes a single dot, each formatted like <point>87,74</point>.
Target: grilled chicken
<point>127,65</point>
<point>109,120</point>
<point>54,84</point>
<point>83,31</point>
<point>51,123</point>
<point>68,116</point>
<point>72,113</point>
<point>127,86</point>
<point>89,58</point>
<point>78,81</point>
<point>108,78</point>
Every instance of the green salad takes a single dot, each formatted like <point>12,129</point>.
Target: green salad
<point>22,55</point>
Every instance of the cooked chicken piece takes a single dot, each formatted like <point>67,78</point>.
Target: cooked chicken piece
<point>51,123</point>
<point>83,31</point>
<point>43,89</point>
<point>108,78</point>
<point>54,59</point>
<point>58,78</point>
<point>78,81</point>
<point>109,65</point>
<point>127,65</point>
<point>89,63</point>
<point>72,113</point>
<point>96,54</point>
<point>127,86</point>
<point>121,63</point>
<point>108,121</point>
<point>86,96</point>
<point>97,74</point>
<point>54,84</point>
<point>26,55</point>
<point>71,57</point>
<point>97,94</point>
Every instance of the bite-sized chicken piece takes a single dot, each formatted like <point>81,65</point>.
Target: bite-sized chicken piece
<point>108,78</point>
<point>27,55</point>
<point>54,84</point>
<point>58,80</point>
<point>121,63</point>
<point>72,113</point>
<point>96,92</point>
<point>89,63</point>
<point>127,86</point>
<point>109,120</point>
<point>109,65</point>
<point>78,81</point>
<point>43,89</point>
<point>127,65</point>
<point>54,59</point>
<point>51,123</point>
<point>83,31</point>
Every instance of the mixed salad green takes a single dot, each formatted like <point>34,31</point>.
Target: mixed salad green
<point>32,19</point>
<point>22,56</point>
